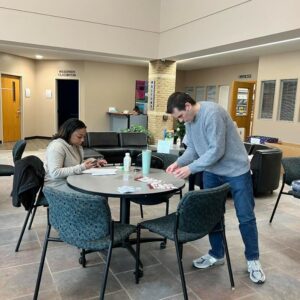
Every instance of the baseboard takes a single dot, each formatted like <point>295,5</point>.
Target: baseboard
<point>37,137</point>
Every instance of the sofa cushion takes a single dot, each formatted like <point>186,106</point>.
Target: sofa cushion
<point>106,139</point>
<point>88,153</point>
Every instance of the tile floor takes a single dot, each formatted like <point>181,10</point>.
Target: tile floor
<point>64,278</point>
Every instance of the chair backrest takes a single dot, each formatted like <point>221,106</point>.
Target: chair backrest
<point>258,147</point>
<point>105,139</point>
<point>167,158</point>
<point>291,166</point>
<point>133,139</point>
<point>265,166</point>
<point>200,211</point>
<point>18,150</point>
<point>78,217</point>
<point>28,180</point>
<point>156,162</point>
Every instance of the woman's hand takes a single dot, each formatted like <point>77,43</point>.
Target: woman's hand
<point>101,162</point>
<point>90,163</point>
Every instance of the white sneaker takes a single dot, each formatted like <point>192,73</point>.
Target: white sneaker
<point>257,275</point>
<point>207,261</point>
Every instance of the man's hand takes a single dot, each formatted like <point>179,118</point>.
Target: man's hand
<point>182,173</point>
<point>171,168</point>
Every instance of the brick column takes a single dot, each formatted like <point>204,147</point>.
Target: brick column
<point>164,75</point>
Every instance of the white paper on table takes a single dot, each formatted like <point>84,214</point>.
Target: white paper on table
<point>100,171</point>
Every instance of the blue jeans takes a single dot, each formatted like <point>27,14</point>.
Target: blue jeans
<point>242,194</point>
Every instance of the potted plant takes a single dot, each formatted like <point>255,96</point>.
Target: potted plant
<point>139,128</point>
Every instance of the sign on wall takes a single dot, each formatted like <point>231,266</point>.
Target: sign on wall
<point>67,73</point>
<point>151,94</point>
<point>245,76</point>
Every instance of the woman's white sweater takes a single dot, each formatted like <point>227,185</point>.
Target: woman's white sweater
<point>62,160</point>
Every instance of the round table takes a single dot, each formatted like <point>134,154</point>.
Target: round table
<point>107,186</point>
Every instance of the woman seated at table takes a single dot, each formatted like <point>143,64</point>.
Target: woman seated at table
<point>64,155</point>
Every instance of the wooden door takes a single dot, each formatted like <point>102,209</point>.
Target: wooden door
<point>11,108</point>
<point>242,103</point>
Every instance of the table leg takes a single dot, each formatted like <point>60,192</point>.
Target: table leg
<point>124,210</point>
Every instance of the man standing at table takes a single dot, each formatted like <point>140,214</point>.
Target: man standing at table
<point>215,148</point>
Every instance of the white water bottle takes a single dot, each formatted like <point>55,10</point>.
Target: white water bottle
<point>127,162</point>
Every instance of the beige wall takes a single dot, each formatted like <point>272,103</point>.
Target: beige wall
<point>46,75</point>
<point>114,27</point>
<point>101,85</point>
<point>109,85</point>
<point>206,26</point>
<point>148,29</point>
<point>25,68</point>
<point>277,67</point>
<point>215,76</point>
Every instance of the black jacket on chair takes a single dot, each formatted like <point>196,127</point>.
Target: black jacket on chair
<point>28,180</point>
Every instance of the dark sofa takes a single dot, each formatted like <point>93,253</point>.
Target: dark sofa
<point>113,145</point>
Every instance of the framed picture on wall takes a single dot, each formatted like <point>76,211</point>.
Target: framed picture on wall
<point>200,93</point>
<point>190,90</point>
<point>211,93</point>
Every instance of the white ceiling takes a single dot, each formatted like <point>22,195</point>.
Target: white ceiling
<point>213,59</point>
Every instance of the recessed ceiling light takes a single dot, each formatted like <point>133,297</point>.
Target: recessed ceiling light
<point>39,56</point>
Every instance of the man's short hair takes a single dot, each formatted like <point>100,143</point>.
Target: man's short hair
<point>178,100</point>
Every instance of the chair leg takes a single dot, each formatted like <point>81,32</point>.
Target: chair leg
<point>164,243</point>
<point>38,281</point>
<point>142,212</point>
<point>179,250</point>
<point>167,207</point>
<point>137,264</point>
<point>227,256</point>
<point>82,259</point>
<point>23,229</point>
<point>32,217</point>
<point>106,271</point>
<point>276,204</point>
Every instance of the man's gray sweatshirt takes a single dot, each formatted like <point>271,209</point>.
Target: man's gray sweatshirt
<point>213,143</point>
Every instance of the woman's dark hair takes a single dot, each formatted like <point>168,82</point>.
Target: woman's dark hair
<point>178,100</point>
<point>67,128</point>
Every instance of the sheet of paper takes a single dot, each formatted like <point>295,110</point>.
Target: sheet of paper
<point>163,146</point>
<point>100,171</point>
<point>254,140</point>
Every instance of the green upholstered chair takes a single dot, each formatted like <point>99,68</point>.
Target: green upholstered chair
<point>84,221</point>
<point>17,152</point>
<point>197,214</point>
<point>291,167</point>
